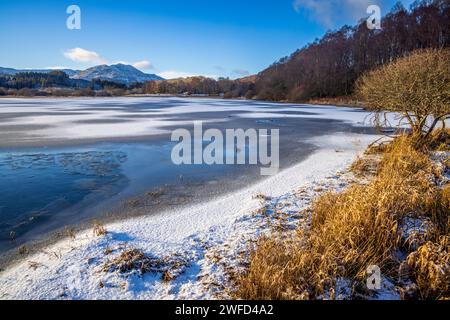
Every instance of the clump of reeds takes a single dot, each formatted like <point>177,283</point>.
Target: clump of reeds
<point>364,166</point>
<point>99,229</point>
<point>128,261</point>
<point>430,267</point>
<point>23,250</point>
<point>440,140</point>
<point>136,261</point>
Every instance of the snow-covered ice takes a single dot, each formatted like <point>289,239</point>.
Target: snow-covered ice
<point>84,118</point>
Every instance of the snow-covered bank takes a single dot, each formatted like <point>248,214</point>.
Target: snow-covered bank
<point>204,240</point>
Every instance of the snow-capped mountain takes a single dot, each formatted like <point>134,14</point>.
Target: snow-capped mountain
<point>118,73</point>
<point>121,73</point>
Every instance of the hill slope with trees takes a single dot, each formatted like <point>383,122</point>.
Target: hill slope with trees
<point>329,67</point>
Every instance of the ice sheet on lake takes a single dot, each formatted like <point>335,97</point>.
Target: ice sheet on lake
<point>80,118</point>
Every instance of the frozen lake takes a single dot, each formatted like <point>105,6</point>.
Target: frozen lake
<point>64,162</point>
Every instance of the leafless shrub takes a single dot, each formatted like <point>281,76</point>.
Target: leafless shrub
<point>417,86</point>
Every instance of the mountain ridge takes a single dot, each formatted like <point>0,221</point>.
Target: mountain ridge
<point>120,73</point>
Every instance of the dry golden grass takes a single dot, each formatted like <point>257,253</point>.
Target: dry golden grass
<point>99,229</point>
<point>136,261</point>
<point>130,260</point>
<point>364,166</point>
<point>346,101</point>
<point>69,232</point>
<point>430,267</point>
<point>440,140</point>
<point>354,229</point>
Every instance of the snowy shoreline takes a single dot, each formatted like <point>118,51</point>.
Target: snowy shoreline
<point>73,268</point>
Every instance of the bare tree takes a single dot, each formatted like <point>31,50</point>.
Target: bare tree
<point>416,86</point>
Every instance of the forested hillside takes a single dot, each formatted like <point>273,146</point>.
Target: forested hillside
<point>329,67</point>
<point>54,83</point>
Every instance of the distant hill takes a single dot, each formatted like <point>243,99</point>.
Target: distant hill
<point>9,71</point>
<point>12,71</point>
<point>119,73</point>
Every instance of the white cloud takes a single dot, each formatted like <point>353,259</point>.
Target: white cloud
<point>326,12</point>
<point>143,65</point>
<point>92,57</point>
<point>57,68</point>
<point>84,56</point>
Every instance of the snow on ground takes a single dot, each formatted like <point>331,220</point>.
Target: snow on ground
<point>82,118</point>
<point>200,245</point>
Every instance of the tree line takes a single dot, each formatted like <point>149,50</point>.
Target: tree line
<point>56,83</point>
<point>201,85</point>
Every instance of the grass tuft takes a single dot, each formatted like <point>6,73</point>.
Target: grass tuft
<point>99,229</point>
<point>136,261</point>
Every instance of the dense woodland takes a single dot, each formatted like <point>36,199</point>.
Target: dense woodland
<point>329,67</point>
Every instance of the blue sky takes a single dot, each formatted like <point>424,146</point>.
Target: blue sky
<point>170,37</point>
